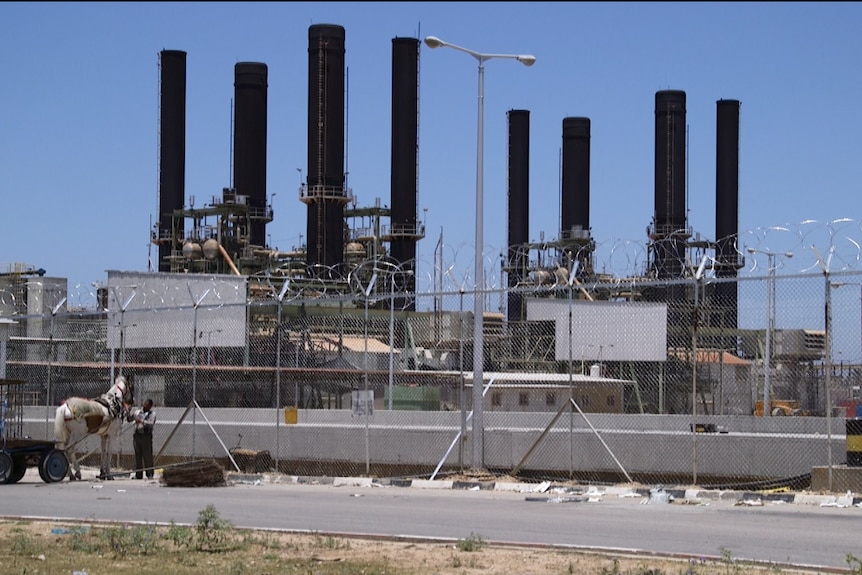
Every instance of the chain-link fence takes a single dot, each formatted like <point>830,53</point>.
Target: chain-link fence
<point>598,380</point>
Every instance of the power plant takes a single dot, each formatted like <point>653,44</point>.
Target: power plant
<point>348,246</point>
<point>227,233</point>
<point>324,334</point>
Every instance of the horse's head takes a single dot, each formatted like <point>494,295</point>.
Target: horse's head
<point>126,389</point>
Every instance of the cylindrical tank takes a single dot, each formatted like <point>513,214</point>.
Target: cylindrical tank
<point>561,276</point>
<point>541,277</point>
<point>519,207</point>
<point>249,149</point>
<point>172,148</point>
<point>354,250</point>
<point>210,249</point>
<point>192,251</point>
<point>575,211</point>
<point>325,222</point>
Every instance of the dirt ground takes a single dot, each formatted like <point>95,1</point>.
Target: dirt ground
<point>45,548</point>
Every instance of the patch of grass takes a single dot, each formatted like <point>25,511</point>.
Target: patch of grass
<point>330,542</point>
<point>34,548</point>
<point>474,542</point>
<point>23,543</point>
<point>264,540</point>
<point>130,540</point>
<point>180,535</point>
<point>213,532</point>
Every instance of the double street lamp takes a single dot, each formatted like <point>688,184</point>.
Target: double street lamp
<point>770,319</point>
<point>478,326</point>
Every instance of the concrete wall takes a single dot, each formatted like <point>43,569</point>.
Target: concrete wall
<point>746,446</point>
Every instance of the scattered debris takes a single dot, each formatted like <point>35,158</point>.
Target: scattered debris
<point>630,494</point>
<point>67,531</point>
<point>659,495</point>
<point>593,491</point>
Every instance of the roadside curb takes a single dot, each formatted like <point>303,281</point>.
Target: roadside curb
<point>556,491</point>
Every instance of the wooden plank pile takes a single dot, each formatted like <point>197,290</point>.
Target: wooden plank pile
<point>251,460</point>
<point>201,473</point>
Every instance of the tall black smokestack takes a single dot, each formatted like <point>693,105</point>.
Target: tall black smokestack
<point>403,184</point>
<point>670,208</point>
<point>669,233</point>
<point>519,208</point>
<point>575,217</point>
<point>325,182</point>
<point>727,213</point>
<point>249,151</point>
<point>172,152</point>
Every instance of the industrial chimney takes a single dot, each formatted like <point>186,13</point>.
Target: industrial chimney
<point>669,221</point>
<point>519,209</point>
<point>324,192</point>
<point>172,153</point>
<point>249,150</point>
<point>669,232</point>
<point>575,209</point>
<point>405,227</point>
<point>727,256</point>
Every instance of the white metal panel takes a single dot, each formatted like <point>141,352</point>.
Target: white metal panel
<point>604,330</point>
<point>159,310</point>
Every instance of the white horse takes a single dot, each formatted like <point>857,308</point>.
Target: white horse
<point>77,418</point>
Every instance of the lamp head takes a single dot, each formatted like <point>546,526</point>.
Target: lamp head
<point>525,59</point>
<point>788,254</point>
<point>433,42</point>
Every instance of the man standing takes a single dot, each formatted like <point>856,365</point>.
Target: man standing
<point>144,419</point>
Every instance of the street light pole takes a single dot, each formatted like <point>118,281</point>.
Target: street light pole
<point>462,398</point>
<point>48,402</point>
<point>569,281</point>
<point>828,380</point>
<point>391,342</point>
<point>122,305</point>
<point>478,308</point>
<point>280,299</point>
<point>770,321</point>
<point>196,302</point>
<point>392,337</point>
<point>366,405</point>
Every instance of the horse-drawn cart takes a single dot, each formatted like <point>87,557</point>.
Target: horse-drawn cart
<point>18,453</point>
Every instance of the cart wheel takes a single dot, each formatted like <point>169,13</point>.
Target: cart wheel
<point>53,466</point>
<point>5,467</point>
<point>19,469</point>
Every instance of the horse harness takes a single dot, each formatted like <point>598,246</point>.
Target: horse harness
<point>111,403</point>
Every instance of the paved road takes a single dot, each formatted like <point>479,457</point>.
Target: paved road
<point>797,534</point>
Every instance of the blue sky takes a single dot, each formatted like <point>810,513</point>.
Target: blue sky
<point>79,114</point>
